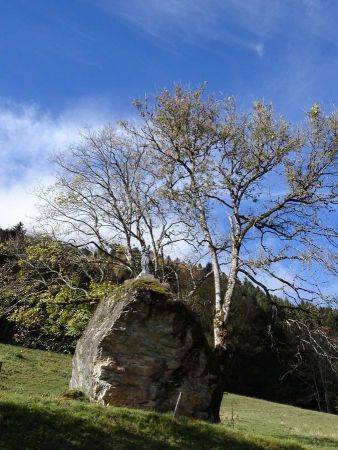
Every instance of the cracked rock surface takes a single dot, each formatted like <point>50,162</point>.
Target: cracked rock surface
<point>140,349</point>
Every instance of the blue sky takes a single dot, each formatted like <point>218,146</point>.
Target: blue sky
<point>71,63</point>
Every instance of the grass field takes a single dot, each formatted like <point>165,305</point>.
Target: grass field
<point>35,415</point>
<point>312,429</point>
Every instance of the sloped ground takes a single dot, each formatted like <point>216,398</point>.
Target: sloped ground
<point>310,428</point>
<point>35,415</point>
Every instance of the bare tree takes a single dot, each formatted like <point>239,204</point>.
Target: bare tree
<point>105,195</point>
<point>260,192</point>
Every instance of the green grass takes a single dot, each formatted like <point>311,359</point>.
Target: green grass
<point>314,430</point>
<point>35,415</point>
<point>33,372</point>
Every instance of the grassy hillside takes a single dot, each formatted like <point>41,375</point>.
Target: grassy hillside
<point>312,429</point>
<point>35,415</point>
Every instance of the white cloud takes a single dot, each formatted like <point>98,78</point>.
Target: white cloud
<point>29,135</point>
<point>237,22</point>
<point>18,204</point>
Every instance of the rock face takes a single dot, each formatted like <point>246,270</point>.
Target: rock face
<point>140,349</point>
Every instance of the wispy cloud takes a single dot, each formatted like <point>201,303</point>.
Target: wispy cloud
<point>247,24</point>
<point>197,21</point>
<point>29,135</point>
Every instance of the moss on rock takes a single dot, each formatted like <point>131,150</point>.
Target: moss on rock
<point>141,286</point>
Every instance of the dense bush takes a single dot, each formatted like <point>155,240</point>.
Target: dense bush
<point>48,290</point>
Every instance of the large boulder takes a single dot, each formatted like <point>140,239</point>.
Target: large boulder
<point>141,349</point>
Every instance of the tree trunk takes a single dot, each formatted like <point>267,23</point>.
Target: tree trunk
<point>220,330</point>
<point>218,319</point>
<point>130,257</point>
<point>229,292</point>
<point>223,308</point>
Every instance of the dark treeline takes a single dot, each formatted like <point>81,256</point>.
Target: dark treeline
<point>49,290</point>
<point>14,233</point>
<point>269,356</point>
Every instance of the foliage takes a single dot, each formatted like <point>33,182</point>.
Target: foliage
<point>48,291</point>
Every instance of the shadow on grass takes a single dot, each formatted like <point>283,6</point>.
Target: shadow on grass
<point>36,428</point>
<point>32,429</point>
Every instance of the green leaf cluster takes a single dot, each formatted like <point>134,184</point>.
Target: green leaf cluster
<point>49,290</point>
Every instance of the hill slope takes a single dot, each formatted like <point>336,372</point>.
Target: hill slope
<point>312,429</point>
<point>34,415</point>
